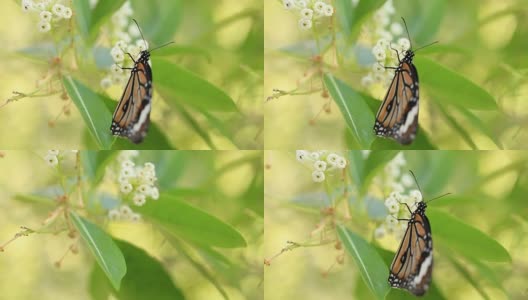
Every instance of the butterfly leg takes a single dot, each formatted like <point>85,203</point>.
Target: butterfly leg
<point>397,53</point>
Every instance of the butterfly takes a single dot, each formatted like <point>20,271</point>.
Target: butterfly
<point>397,116</point>
<point>131,117</point>
<point>412,266</point>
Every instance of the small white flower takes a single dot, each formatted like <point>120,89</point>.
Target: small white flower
<point>377,68</point>
<point>394,208</point>
<point>117,54</point>
<point>154,193</point>
<point>407,180</point>
<point>114,215</point>
<point>383,43</point>
<point>27,5</point>
<point>52,160</point>
<point>106,83</point>
<point>127,164</point>
<point>139,199</point>
<point>142,45</point>
<point>399,159</point>
<point>328,10</point>
<point>320,165</point>
<point>288,4</point>
<point>125,188</point>
<point>149,166</point>
<point>341,163</point>
<point>318,176</point>
<point>307,13</point>
<point>332,158</point>
<point>302,155</point>
<point>381,18</point>
<point>404,43</point>
<point>121,45</point>
<point>124,36</point>
<point>116,69</point>
<point>125,211</point>
<point>133,30</point>
<point>58,10</point>
<point>416,195</point>
<point>367,81</point>
<point>134,217</point>
<point>128,172</point>
<point>391,221</point>
<point>315,155</point>
<point>388,7</point>
<point>144,189</point>
<point>395,186</point>
<point>133,50</point>
<point>379,232</point>
<point>379,53</point>
<point>305,23</point>
<point>301,3</point>
<point>53,152</point>
<point>396,28</point>
<point>45,16</point>
<point>319,7</point>
<point>44,26</point>
<point>390,201</point>
<point>39,6</point>
<point>123,179</point>
<point>396,195</point>
<point>67,13</point>
<point>126,9</point>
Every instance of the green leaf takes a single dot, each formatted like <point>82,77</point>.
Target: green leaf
<point>146,277</point>
<point>83,15</point>
<point>467,275</point>
<point>356,166</point>
<point>190,223</point>
<point>457,127</point>
<point>35,199</point>
<point>447,86</point>
<point>101,12</point>
<point>425,24</point>
<point>95,162</point>
<point>178,50</point>
<point>93,111</point>
<point>479,125</point>
<point>465,239</point>
<point>350,18</point>
<point>103,248</point>
<point>354,109</point>
<point>159,19</point>
<point>375,161</point>
<point>371,266</point>
<point>178,84</point>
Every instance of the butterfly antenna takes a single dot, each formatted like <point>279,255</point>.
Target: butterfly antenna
<point>416,181</point>
<point>162,46</point>
<point>426,45</point>
<point>140,32</point>
<point>439,197</point>
<point>408,35</point>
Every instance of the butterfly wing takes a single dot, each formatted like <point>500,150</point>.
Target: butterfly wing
<point>132,115</point>
<point>397,117</point>
<point>412,266</point>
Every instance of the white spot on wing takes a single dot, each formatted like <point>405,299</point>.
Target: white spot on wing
<point>413,113</point>
<point>423,270</point>
<point>142,118</point>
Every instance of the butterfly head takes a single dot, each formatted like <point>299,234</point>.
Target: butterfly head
<point>409,55</point>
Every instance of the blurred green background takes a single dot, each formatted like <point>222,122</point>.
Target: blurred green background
<point>488,193</point>
<point>220,42</point>
<point>479,104</point>
<point>226,184</point>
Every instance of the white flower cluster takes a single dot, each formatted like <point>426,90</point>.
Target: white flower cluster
<point>321,162</point>
<point>388,39</point>
<point>309,11</point>
<point>49,11</point>
<point>396,179</point>
<point>127,39</point>
<point>52,157</point>
<point>137,184</point>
